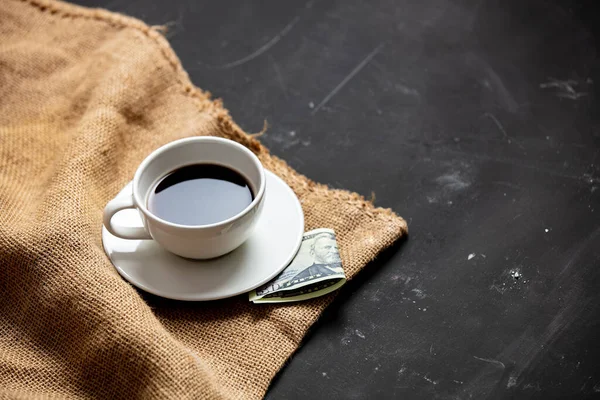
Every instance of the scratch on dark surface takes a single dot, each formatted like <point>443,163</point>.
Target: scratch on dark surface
<point>533,386</point>
<point>498,289</point>
<point>572,96</point>
<point>491,377</point>
<point>279,77</point>
<point>286,29</point>
<point>491,361</point>
<point>565,89</point>
<point>428,379</point>
<point>407,90</point>
<point>261,49</point>
<point>509,102</point>
<point>453,181</point>
<point>494,82</point>
<point>517,216</point>
<point>348,78</point>
<point>578,251</point>
<point>501,128</point>
<point>507,184</point>
<point>498,124</point>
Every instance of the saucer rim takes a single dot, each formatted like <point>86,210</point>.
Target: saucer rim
<point>195,297</point>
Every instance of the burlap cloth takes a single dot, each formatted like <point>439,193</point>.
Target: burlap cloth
<point>85,95</point>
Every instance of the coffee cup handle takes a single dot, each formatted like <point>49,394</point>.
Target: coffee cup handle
<point>123,232</point>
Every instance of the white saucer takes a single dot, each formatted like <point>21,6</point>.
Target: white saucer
<point>272,246</point>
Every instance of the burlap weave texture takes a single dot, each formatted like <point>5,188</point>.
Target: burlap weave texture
<point>85,95</point>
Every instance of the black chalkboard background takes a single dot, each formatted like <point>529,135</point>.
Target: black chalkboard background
<point>478,122</point>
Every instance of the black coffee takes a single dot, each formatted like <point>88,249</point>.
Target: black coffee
<point>200,194</point>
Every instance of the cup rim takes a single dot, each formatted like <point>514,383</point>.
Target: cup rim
<point>142,167</point>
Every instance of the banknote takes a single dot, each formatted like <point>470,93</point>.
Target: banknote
<point>316,270</point>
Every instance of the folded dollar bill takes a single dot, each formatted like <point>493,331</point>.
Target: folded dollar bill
<point>316,270</point>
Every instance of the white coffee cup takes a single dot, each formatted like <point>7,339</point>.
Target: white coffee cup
<point>201,241</point>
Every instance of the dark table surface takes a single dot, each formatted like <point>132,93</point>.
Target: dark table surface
<point>475,120</point>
